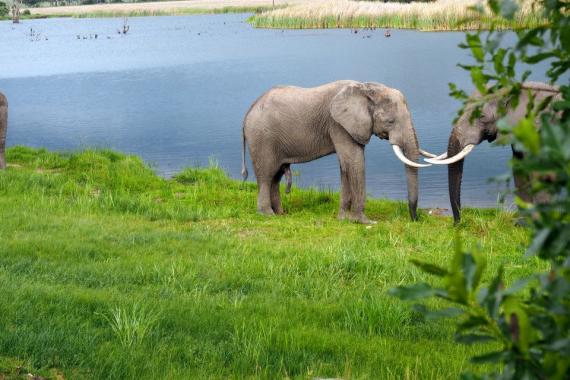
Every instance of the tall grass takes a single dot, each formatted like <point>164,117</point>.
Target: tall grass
<point>440,15</point>
<point>109,271</point>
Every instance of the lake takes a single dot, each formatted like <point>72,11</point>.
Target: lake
<point>174,90</point>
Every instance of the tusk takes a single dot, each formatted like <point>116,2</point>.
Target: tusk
<point>454,159</point>
<point>427,154</point>
<point>398,152</point>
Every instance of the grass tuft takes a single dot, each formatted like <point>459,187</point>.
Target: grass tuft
<point>131,325</point>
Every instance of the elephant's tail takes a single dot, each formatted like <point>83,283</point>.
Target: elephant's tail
<point>244,172</point>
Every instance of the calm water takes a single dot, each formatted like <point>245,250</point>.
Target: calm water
<point>175,90</point>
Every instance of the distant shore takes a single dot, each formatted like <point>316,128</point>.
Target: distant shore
<point>441,15</point>
<point>161,8</point>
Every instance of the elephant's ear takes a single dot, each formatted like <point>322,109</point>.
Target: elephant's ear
<point>350,109</point>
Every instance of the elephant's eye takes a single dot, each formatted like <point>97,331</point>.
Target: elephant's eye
<point>391,121</point>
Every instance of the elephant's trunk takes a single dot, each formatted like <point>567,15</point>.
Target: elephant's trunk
<point>454,176</point>
<point>3,130</point>
<point>411,150</point>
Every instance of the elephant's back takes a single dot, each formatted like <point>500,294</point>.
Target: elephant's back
<point>283,105</point>
<point>291,120</point>
<point>3,100</point>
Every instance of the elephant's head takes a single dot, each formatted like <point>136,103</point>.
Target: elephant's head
<point>464,136</point>
<point>3,129</point>
<point>468,133</point>
<point>364,109</point>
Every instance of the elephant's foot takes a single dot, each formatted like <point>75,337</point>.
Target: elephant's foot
<point>355,218</point>
<point>342,215</point>
<point>266,211</point>
<point>278,210</point>
<point>361,218</point>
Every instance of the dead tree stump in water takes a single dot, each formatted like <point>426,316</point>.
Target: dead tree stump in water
<point>16,12</point>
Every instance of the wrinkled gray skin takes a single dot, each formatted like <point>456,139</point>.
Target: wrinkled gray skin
<point>485,128</point>
<point>3,129</point>
<point>290,125</point>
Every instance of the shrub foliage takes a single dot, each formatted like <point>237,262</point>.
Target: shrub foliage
<point>528,322</point>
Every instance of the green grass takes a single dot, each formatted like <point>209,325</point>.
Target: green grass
<point>109,271</point>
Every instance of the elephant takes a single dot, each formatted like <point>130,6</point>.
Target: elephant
<point>466,135</point>
<point>289,125</point>
<point>3,129</point>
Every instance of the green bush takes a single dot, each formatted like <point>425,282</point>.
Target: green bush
<point>527,323</point>
<point>4,10</point>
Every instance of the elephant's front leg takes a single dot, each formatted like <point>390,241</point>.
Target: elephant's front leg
<point>357,184</point>
<point>345,197</point>
<point>353,184</point>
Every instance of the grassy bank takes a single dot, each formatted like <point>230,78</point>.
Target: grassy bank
<point>168,12</point>
<point>108,271</point>
<point>440,15</point>
<point>163,8</point>
<point>141,12</point>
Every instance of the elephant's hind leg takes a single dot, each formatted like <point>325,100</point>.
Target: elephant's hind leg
<point>275,193</point>
<point>269,174</point>
<point>264,196</point>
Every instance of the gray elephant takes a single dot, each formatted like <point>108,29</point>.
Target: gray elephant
<point>289,125</point>
<point>465,136</point>
<point>3,129</point>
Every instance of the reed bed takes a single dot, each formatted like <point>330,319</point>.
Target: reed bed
<point>441,15</point>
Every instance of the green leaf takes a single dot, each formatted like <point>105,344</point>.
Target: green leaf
<point>473,338</point>
<point>519,324</point>
<point>455,280</point>
<point>491,357</point>
<point>511,64</point>
<point>471,322</point>
<point>479,79</point>
<point>474,43</point>
<point>448,312</point>
<point>469,376</point>
<point>490,298</point>
<point>518,286</point>
<point>469,268</point>
<point>498,60</point>
<point>559,345</point>
<point>526,132</point>
<point>413,292</point>
<point>529,38</point>
<point>538,57</point>
<point>430,268</point>
<point>538,241</point>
